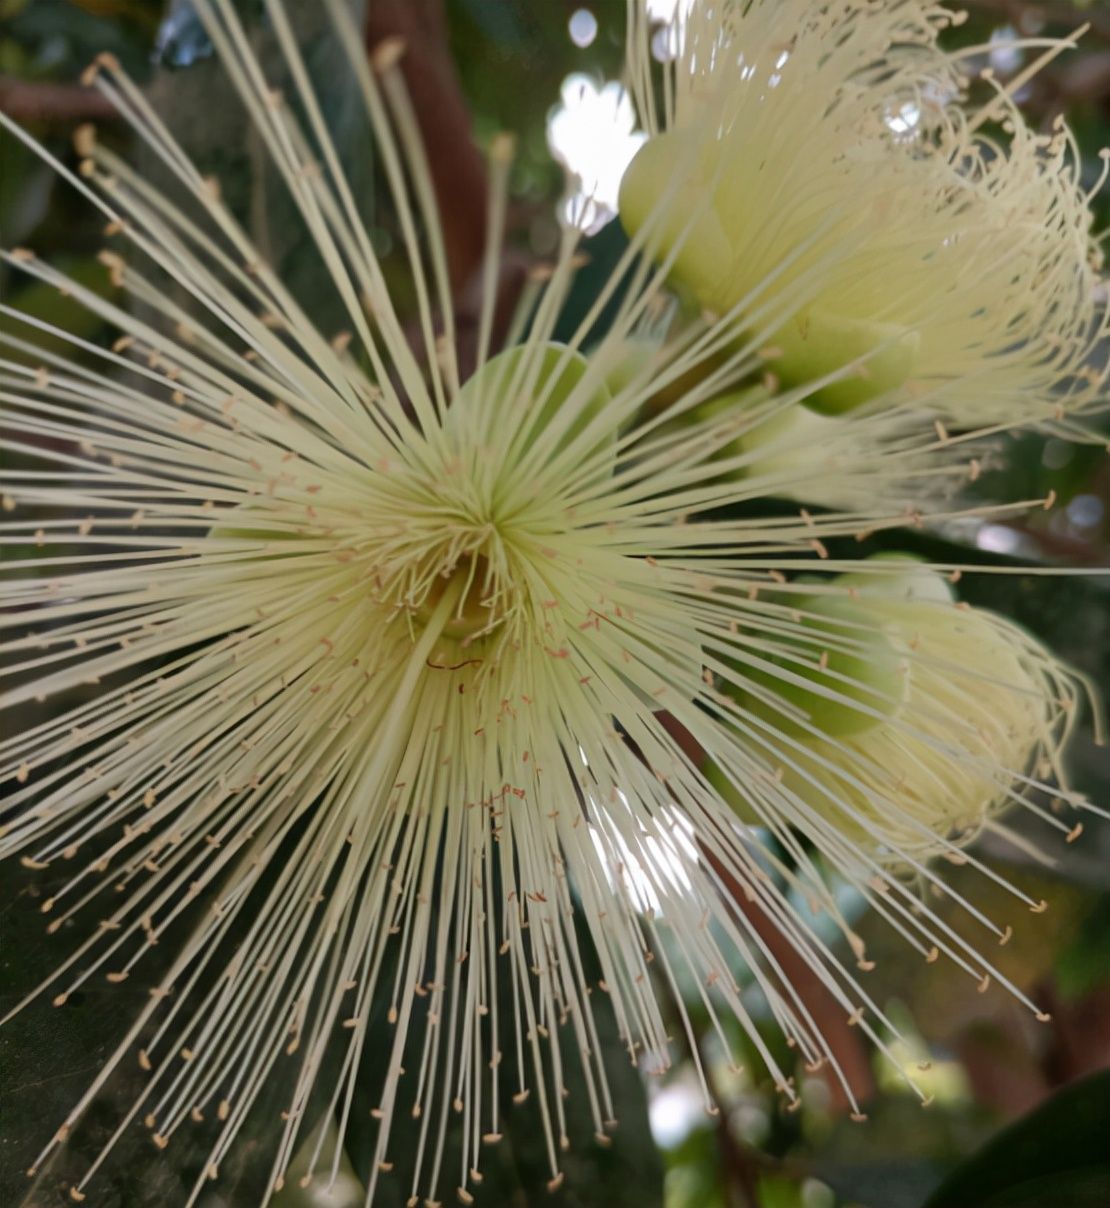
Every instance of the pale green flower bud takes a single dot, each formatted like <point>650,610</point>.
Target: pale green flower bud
<point>947,709</point>
<point>818,181</point>
<point>521,377</point>
<point>706,242</point>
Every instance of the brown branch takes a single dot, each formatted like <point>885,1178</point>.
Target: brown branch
<point>1086,79</point>
<point>457,167</point>
<point>47,101</point>
<point>1080,1033</point>
<point>841,1037</point>
<point>828,1014</point>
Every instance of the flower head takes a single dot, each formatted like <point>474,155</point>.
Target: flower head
<point>918,719</point>
<point>393,666</point>
<point>819,178</point>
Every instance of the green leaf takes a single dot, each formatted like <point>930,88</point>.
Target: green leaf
<point>1056,1155</point>
<point>1084,964</point>
<point>38,300</point>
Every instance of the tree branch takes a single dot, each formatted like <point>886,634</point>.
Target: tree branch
<point>47,101</point>
<point>457,167</point>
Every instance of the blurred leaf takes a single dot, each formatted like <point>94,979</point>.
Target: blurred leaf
<point>26,187</point>
<point>501,23</point>
<point>1085,963</point>
<point>692,1176</point>
<point>66,36</point>
<point>778,1192</point>
<point>943,998</point>
<point>603,252</point>
<point>898,1156</point>
<point>1056,1155</point>
<point>38,300</point>
<point>879,1183</point>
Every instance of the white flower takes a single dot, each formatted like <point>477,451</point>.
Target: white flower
<point>818,178</point>
<point>916,720</point>
<point>380,665</point>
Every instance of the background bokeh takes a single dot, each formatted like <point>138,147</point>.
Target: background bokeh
<point>546,71</point>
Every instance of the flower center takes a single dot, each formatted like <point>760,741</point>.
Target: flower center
<point>477,611</point>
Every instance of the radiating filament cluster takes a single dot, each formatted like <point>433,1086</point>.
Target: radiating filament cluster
<point>391,713</point>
